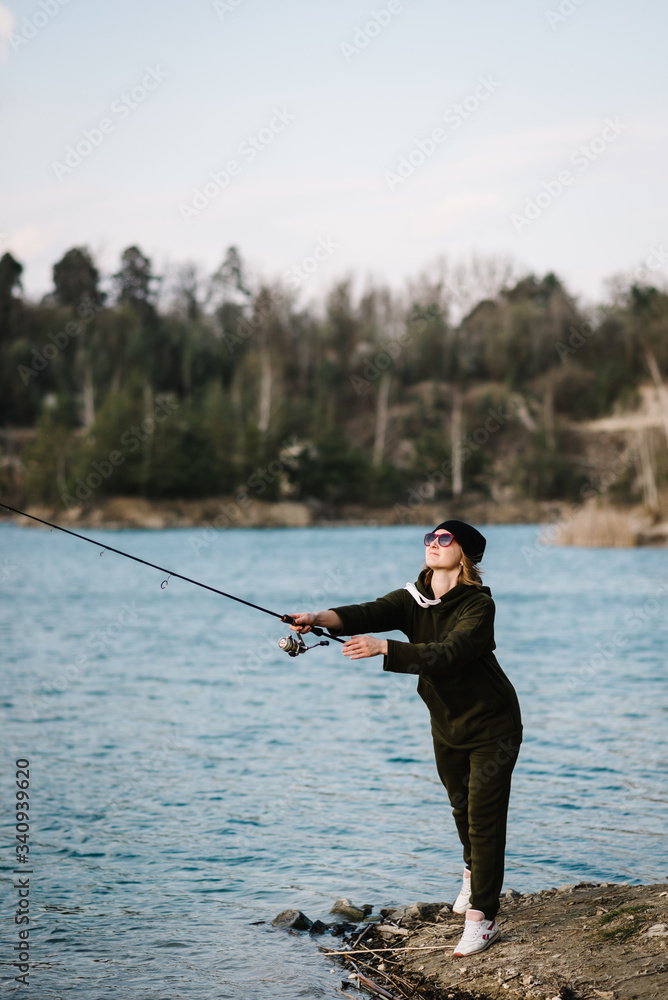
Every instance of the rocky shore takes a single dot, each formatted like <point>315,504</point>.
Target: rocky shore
<point>563,522</point>
<point>603,941</point>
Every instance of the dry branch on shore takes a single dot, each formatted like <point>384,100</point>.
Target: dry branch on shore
<point>586,942</point>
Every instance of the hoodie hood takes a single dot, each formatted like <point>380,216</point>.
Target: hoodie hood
<point>423,595</point>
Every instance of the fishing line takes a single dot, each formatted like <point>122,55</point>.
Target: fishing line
<point>293,647</point>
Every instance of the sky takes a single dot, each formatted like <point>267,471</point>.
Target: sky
<point>334,139</point>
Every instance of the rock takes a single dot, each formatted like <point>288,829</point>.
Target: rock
<point>512,894</point>
<point>428,911</point>
<point>317,927</point>
<point>587,963</point>
<point>411,915</point>
<point>569,887</point>
<point>339,929</point>
<point>293,920</point>
<point>394,913</point>
<point>346,909</point>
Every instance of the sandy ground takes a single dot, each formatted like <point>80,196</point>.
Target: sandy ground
<point>584,942</point>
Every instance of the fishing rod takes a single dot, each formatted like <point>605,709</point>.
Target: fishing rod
<point>289,644</point>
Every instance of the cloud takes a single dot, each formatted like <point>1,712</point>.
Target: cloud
<point>456,211</point>
<point>29,241</point>
<point>7,25</point>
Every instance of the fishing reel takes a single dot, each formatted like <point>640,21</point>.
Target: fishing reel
<point>294,645</point>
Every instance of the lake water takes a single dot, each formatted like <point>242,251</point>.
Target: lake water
<point>188,778</point>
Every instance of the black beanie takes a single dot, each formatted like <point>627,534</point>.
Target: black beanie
<point>470,539</point>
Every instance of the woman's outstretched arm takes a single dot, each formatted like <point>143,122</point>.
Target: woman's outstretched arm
<point>325,619</point>
<point>357,648</point>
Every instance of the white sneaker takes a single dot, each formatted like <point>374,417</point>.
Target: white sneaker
<point>478,935</point>
<point>463,901</point>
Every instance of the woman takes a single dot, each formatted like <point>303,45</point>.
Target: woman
<point>448,618</point>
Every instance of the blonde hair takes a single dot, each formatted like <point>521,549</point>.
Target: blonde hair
<point>468,574</point>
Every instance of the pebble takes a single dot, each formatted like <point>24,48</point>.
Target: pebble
<point>658,930</point>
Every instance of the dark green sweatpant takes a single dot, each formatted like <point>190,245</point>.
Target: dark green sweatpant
<point>478,786</point>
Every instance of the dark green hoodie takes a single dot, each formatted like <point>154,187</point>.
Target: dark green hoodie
<point>450,647</point>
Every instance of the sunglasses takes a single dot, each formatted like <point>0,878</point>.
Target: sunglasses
<point>445,539</point>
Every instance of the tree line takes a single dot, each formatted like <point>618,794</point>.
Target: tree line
<point>193,385</point>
